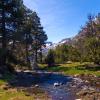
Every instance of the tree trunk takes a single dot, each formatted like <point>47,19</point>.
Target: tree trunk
<point>27,55</point>
<point>34,66</point>
<point>36,55</point>
<point>41,55</point>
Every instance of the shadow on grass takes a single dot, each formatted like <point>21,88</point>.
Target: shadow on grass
<point>56,68</point>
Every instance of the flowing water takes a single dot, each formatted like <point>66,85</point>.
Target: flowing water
<point>46,81</point>
<point>60,92</point>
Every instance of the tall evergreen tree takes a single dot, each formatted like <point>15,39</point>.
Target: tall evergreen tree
<point>10,14</point>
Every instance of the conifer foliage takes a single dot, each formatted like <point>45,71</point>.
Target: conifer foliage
<point>21,32</point>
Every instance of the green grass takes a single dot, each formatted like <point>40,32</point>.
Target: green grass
<point>2,82</point>
<point>5,95</point>
<point>11,95</point>
<point>74,68</point>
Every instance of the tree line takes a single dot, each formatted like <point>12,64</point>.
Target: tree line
<point>84,47</point>
<point>21,34</point>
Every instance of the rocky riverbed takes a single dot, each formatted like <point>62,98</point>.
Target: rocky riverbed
<point>87,87</point>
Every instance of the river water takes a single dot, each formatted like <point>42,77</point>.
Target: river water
<point>46,81</point>
<point>60,92</point>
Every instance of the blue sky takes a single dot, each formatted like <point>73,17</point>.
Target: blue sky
<point>63,18</point>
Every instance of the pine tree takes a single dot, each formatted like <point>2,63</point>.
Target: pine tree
<point>10,18</point>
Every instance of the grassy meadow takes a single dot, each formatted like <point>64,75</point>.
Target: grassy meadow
<point>74,68</point>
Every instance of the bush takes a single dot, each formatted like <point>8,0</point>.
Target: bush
<point>50,59</point>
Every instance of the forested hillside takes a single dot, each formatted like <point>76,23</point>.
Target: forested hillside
<point>84,47</point>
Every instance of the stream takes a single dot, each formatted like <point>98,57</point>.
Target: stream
<point>60,92</point>
<point>55,84</point>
